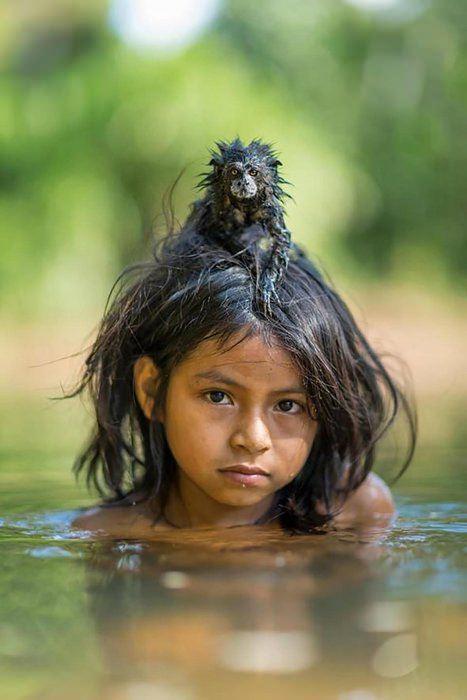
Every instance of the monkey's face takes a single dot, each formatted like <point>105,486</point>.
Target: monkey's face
<point>245,181</point>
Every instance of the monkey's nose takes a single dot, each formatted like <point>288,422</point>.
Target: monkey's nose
<point>244,189</point>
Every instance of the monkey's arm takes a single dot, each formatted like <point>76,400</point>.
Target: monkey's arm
<point>279,256</point>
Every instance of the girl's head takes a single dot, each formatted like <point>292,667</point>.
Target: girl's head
<point>189,377</point>
<point>237,403</point>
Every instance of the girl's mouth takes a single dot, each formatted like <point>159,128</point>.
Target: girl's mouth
<point>245,475</point>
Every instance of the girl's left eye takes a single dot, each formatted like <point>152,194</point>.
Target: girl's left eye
<point>288,404</point>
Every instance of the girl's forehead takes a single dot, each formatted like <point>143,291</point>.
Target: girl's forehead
<point>246,355</point>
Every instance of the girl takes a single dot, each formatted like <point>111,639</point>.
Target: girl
<point>215,411</point>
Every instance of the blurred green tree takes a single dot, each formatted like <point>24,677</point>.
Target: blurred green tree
<point>367,108</point>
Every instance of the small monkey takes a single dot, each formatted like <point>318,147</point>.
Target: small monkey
<point>242,189</point>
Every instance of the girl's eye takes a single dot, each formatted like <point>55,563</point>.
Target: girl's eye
<point>215,396</point>
<point>288,404</point>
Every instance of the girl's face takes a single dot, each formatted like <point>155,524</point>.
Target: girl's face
<point>237,422</point>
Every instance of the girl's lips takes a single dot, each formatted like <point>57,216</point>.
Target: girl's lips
<point>247,476</point>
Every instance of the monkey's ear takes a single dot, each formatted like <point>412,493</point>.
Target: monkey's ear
<point>276,162</point>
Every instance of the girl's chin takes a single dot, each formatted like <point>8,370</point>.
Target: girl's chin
<point>242,498</point>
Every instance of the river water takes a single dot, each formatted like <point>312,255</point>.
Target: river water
<point>240,613</point>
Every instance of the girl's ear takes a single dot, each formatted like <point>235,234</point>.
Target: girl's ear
<point>146,379</point>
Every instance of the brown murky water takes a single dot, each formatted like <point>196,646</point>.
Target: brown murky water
<point>240,613</point>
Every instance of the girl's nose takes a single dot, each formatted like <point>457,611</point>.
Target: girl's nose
<point>252,435</point>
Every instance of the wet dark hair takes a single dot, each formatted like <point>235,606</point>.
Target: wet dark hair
<point>192,290</point>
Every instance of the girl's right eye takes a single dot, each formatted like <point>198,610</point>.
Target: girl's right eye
<point>216,396</point>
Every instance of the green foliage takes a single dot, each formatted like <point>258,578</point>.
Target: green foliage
<point>367,110</point>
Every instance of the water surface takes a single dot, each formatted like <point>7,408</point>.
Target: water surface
<point>242,613</point>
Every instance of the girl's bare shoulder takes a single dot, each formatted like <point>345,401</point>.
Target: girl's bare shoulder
<point>370,504</point>
<point>372,501</point>
<point>118,520</point>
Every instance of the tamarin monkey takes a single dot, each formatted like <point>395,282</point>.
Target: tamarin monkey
<point>243,189</point>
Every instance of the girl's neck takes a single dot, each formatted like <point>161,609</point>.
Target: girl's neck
<point>188,506</point>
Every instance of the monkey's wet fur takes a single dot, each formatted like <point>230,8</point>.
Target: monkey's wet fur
<point>243,190</point>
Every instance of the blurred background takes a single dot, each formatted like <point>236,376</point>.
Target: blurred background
<point>104,103</point>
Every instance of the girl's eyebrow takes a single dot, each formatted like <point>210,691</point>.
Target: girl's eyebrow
<point>219,377</point>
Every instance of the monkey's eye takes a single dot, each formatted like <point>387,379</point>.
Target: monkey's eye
<point>253,171</point>
<point>234,171</point>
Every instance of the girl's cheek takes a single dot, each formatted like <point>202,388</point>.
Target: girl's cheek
<point>205,423</point>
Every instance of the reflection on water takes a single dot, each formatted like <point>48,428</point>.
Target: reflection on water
<point>242,613</point>
<point>239,613</point>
